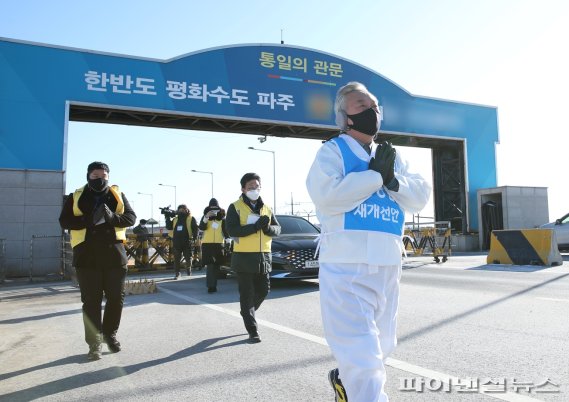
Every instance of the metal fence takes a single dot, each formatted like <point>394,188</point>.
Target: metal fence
<point>148,252</point>
<point>50,257</point>
<point>429,238</point>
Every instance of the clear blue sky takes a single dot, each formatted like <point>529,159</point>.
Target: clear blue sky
<point>505,53</point>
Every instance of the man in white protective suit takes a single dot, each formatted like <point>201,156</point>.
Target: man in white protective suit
<point>361,192</point>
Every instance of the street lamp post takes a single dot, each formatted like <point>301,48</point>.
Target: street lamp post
<point>211,173</point>
<point>175,196</point>
<point>151,203</point>
<point>274,177</point>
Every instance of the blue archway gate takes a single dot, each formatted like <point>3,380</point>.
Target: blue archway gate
<point>261,89</point>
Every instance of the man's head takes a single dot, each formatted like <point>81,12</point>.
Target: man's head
<point>251,185</point>
<point>143,222</point>
<point>213,203</point>
<point>357,111</point>
<point>98,176</point>
<point>183,209</point>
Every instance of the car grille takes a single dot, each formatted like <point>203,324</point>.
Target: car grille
<point>298,258</point>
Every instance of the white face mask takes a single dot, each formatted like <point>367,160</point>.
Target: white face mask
<point>253,195</point>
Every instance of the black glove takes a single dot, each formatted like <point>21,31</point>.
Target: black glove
<point>262,222</point>
<point>383,160</point>
<point>108,214</point>
<point>384,164</point>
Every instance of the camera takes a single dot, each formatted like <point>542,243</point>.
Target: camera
<point>167,212</point>
<point>219,213</point>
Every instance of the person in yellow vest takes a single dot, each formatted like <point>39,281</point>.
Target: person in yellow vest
<point>142,237</point>
<point>214,234</point>
<point>183,230</point>
<point>252,225</point>
<point>97,216</point>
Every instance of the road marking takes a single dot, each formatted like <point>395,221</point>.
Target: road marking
<point>397,364</point>
<point>552,299</point>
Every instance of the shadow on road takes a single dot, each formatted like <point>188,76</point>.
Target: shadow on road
<point>111,373</point>
<point>509,268</point>
<point>76,359</point>
<point>227,291</point>
<point>449,320</point>
<point>40,317</point>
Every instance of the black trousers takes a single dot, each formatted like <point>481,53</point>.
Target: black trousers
<point>187,252</point>
<point>253,288</point>
<point>211,275</point>
<point>94,283</point>
<point>212,256</point>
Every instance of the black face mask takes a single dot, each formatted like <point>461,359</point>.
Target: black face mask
<point>365,122</point>
<point>98,185</point>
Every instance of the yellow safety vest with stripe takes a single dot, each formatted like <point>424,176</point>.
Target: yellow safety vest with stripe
<point>213,234</point>
<point>188,226</point>
<point>78,236</point>
<point>256,242</point>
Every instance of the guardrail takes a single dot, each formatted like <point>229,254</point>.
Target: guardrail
<point>53,264</point>
<point>2,260</point>
<point>52,256</point>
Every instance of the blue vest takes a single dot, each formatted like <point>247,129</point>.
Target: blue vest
<point>380,212</point>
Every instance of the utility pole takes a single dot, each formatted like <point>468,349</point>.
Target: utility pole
<point>292,204</point>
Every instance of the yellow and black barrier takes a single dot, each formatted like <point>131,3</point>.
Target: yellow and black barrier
<point>434,238</point>
<point>138,250</point>
<point>524,247</point>
<point>148,252</point>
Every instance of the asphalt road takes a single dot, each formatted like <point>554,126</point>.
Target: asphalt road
<point>462,325</point>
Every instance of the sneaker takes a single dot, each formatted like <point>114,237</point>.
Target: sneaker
<point>254,337</point>
<point>211,290</point>
<point>336,383</point>
<point>113,344</point>
<point>95,352</point>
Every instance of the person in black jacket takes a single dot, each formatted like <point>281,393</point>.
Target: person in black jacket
<point>251,224</point>
<point>97,216</point>
<point>183,231</point>
<point>141,228</point>
<point>212,225</point>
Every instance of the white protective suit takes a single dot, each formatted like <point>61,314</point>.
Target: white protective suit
<point>359,269</point>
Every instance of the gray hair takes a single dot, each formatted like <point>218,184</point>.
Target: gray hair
<point>340,103</point>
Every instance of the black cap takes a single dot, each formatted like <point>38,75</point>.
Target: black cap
<point>97,165</point>
<point>213,203</point>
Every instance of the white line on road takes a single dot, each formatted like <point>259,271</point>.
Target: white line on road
<point>397,364</point>
<point>552,299</point>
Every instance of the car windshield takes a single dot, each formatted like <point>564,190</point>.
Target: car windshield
<point>293,225</point>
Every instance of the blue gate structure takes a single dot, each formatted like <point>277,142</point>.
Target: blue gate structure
<point>267,89</point>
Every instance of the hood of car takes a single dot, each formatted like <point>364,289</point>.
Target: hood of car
<point>548,226</point>
<point>294,242</point>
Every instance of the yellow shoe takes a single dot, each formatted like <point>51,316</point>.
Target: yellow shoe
<point>336,383</point>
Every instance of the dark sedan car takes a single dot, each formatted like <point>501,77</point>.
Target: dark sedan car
<point>293,250</point>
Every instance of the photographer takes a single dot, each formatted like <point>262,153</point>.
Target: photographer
<point>183,230</point>
<point>214,233</point>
